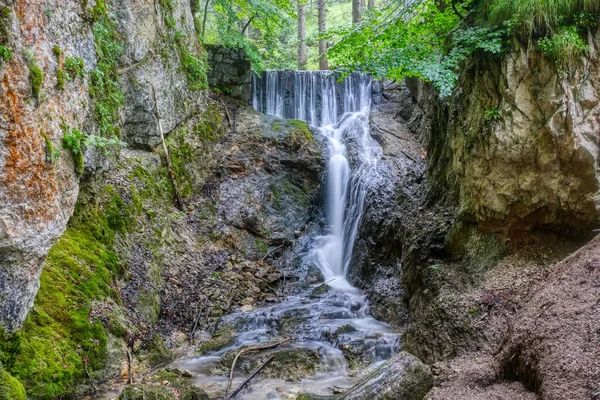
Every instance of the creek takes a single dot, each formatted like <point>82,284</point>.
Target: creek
<point>331,319</point>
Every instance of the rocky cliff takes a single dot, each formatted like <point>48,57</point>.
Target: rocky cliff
<point>492,186</point>
<point>70,68</point>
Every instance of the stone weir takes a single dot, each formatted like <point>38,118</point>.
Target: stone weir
<point>317,97</point>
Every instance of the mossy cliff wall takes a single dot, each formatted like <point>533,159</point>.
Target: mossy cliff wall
<point>77,69</point>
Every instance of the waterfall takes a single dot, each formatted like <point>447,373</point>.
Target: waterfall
<point>340,111</point>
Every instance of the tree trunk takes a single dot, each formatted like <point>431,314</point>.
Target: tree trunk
<point>371,4</point>
<point>322,42</point>
<point>356,11</point>
<point>204,19</point>
<point>302,56</point>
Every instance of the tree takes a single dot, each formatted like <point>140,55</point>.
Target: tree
<point>323,64</point>
<point>356,11</point>
<point>371,4</point>
<point>302,56</point>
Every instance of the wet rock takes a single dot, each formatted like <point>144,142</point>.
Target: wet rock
<point>224,337</point>
<point>402,377</point>
<point>319,291</point>
<point>147,392</point>
<point>314,275</point>
<point>192,393</point>
<point>291,365</point>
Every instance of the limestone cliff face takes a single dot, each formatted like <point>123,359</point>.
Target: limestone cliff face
<point>516,146</point>
<point>39,183</point>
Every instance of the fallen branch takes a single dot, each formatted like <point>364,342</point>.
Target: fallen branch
<point>246,350</point>
<point>198,320</point>
<point>178,201</point>
<point>85,363</point>
<point>325,283</point>
<point>130,368</point>
<point>229,120</point>
<point>272,251</point>
<point>256,371</point>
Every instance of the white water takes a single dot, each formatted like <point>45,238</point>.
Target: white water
<point>344,123</point>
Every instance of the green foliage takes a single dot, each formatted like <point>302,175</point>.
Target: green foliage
<point>57,51</point>
<point>36,77</point>
<point>492,115</point>
<point>75,67</point>
<point>75,140</point>
<point>563,46</point>
<point>268,21</point>
<point>539,17</point>
<point>104,80</point>
<point>61,333</point>
<point>194,66</point>
<point>421,41</point>
<point>5,53</point>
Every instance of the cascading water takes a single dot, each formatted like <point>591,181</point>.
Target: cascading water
<point>337,319</point>
<point>340,111</point>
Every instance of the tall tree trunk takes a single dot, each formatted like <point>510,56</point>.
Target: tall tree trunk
<point>204,19</point>
<point>356,11</point>
<point>323,64</point>
<point>302,57</point>
<point>371,4</point>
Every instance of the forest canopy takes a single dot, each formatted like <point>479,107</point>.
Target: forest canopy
<point>429,39</point>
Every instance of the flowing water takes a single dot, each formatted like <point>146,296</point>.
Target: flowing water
<point>337,319</point>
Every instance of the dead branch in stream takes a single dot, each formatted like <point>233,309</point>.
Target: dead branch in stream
<point>256,371</point>
<point>178,201</point>
<point>243,351</point>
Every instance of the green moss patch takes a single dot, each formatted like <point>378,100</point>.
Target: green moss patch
<point>61,337</point>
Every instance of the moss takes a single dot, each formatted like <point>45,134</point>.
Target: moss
<point>301,127</point>
<point>36,78</point>
<point>210,128</point>
<point>52,153</point>
<point>4,25</point>
<point>262,246</point>
<point>61,77</point>
<point>193,64</point>
<point>57,51</point>
<point>159,353</point>
<point>61,333</point>
<point>10,388</point>
<point>105,90</point>
<point>75,67</point>
<point>5,53</point>
<point>181,155</point>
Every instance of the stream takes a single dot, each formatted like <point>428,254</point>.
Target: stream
<point>327,318</point>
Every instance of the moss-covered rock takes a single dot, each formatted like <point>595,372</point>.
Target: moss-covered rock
<point>10,388</point>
